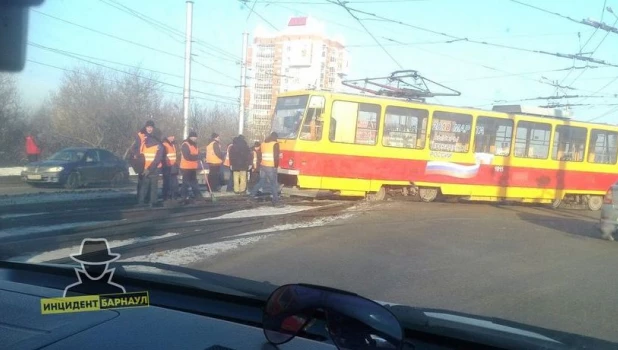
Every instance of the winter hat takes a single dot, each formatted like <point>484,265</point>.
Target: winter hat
<point>214,135</point>
<point>150,122</point>
<point>192,134</point>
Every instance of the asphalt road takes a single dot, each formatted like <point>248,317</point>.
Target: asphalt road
<point>527,264</point>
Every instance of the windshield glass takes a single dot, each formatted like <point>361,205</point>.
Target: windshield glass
<point>288,116</point>
<point>456,155</point>
<point>68,155</point>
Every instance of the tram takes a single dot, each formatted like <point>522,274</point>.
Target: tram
<point>369,146</point>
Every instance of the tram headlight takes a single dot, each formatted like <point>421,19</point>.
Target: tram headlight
<point>291,163</point>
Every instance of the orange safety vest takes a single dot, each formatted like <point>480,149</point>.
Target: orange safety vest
<point>170,153</point>
<point>255,158</point>
<point>150,153</point>
<point>226,162</point>
<point>268,154</point>
<point>211,156</point>
<point>189,164</point>
<point>142,140</point>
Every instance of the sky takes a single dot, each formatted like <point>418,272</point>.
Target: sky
<point>111,34</point>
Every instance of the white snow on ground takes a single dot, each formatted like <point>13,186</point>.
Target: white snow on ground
<point>66,252</point>
<point>10,216</point>
<point>260,211</point>
<point>289,227</point>
<point>13,171</point>
<point>63,197</point>
<point>191,255</point>
<point>18,231</point>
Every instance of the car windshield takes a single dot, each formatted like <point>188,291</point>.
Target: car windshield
<point>68,155</point>
<point>289,115</point>
<point>454,155</point>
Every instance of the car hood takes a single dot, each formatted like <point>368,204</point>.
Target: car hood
<point>490,330</point>
<point>51,163</point>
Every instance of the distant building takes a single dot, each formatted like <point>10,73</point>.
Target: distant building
<point>298,57</point>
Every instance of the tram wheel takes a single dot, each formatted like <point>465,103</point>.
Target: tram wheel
<point>556,203</point>
<point>428,194</point>
<point>378,196</point>
<point>595,203</point>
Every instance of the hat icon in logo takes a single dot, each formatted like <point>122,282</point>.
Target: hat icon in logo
<point>95,251</point>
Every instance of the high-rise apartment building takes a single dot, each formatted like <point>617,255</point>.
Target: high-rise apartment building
<point>299,57</point>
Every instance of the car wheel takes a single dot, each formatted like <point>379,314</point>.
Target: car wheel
<point>118,179</point>
<point>73,181</point>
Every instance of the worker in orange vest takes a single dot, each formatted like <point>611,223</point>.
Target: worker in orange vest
<point>33,151</point>
<point>137,158</point>
<point>268,168</point>
<point>189,159</point>
<point>153,158</point>
<point>228,168</point>
<point>170,169</point>
<point>214,159</point>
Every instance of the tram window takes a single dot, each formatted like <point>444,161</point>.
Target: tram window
<point>603,146</point>
<point>493,135</point>
<point>405,127</point>
<point>450,132</point>
<point>569,143</point>
<point>532,140</point>
<point>353,122</point>
<point>311,129</point>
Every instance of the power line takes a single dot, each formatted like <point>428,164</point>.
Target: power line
<point>170,31</point>
<point>125,72</point>
<point>127,41</point>
<point>244,2</point>
<point>116,81</point>
<point>604,114</point>
<point>370,34</point>
<point>127,65</point>
<point>456,38</point>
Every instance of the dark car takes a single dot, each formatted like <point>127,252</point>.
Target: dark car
<point>76,167</point>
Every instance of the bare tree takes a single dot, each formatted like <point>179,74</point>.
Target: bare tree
<point>97,108</point>
<point>13,124</point>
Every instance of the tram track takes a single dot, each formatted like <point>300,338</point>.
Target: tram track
<point>194,223</point>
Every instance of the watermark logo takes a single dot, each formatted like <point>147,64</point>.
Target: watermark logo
<point>94,275</point>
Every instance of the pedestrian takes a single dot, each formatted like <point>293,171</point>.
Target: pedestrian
<point>170,169</point>
<point>268,168</point>
<point>153,159</point>
<point>256,158</point>
<point>214,159</point>
<point>240,160</point>
<point>137,158</point>
<point>226,163</point>
<point>33,150</point>
<point>189,159</point>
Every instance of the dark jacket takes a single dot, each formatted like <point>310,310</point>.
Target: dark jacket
<point>137,142</point>
<point>152,141</point>
<point>240,155</point>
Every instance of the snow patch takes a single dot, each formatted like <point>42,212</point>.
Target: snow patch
<point>190,255</point>
<point>260,211</point>
<point>66,252</point>
<point>12,171</point>
<point>10,216</point>
<point>288,227</point>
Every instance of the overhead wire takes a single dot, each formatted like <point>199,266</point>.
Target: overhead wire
<point>129,41</point>
<point>468,40</point>
<point>370,34</point>
<point>60,52</point>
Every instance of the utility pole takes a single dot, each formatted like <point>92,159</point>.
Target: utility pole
<point>243,82</point>
<point>187,89</point>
